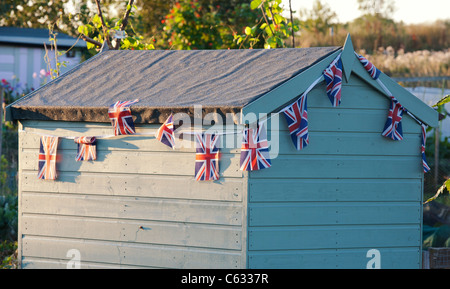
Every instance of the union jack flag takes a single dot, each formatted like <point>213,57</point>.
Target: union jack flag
<point>207,157</point>
<point>87,148</point>
<point>333,79</point>
<point>426,168</point>
<point>121,119</point>
<point>297,118</point>
<point>255,149</point>
<point>373,71</point>
<point>47,158</point>
<point>393,126</point>
<point>165,133</point>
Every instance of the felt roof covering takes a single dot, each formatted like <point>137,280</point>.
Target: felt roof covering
<point>165,81</point>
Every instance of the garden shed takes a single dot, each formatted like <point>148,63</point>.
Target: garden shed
<point>345,197</point>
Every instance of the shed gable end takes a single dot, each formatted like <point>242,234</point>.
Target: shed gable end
<point>349,191</point>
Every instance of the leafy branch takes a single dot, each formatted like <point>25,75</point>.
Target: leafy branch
<point>446,184</point>
<point>97,31</point>
<point>274,27</point>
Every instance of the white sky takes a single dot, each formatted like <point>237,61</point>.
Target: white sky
<point>408,11</point>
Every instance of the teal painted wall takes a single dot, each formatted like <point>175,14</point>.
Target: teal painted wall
<point>351,190</point>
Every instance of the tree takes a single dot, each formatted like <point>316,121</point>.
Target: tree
<point>112,33</point>
<point>383,8</point>
<point>375,25</point>
<point>40,14</point>
<point>195,24</point>
<point>319,19</point>
<point>316,24</point>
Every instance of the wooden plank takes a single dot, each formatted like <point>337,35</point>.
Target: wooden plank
<point>345,120</point>
<point>333,237</point>
<point>321,143</point>
<point>88,128</point>
<point>289,90</point>
<point>339,119</point>
<point>391,258</point>
<point>154,186</point>
<point>157,163</point>
<point>339,190</point>
<point>355,95</point>
<point>329,213</point>
<point>41,263</point>
<point>228,144</point>
<point>347,143</point>
<point>130,254</point>
<point>358,167</point>
<point>178,234</point>
<point>189,211</point>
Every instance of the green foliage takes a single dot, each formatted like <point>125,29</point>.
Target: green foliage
<point>40,13</point>
<point>193,24</point>
<point>273,27</point>
<point>8,217</point>
<point>443,101</point>
<point>444,154</point>
<point>319,19</point>
<point>95,30</point>
<point>8,259</point>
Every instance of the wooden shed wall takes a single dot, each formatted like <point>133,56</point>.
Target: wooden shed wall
<point>138,205</point>
<point>349,191</point>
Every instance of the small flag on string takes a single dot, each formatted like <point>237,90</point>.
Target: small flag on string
<point>121,119</point>
<point>333,79</point>
<point>297,119</point>
<point>87,148</point>
<point>47,157</point>
<point>393,125</point>
<point>165,133</point>
<point>207,157</point>
<point>373,71</point>
<point>426,168</point>
<point>255,149</point>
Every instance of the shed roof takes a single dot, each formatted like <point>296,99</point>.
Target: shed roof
<point>165,80</point>
<point>37,37</point>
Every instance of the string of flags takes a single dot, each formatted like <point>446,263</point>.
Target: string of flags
<point>255,146</point>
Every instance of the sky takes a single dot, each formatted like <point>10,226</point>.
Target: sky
<point>408,11</point>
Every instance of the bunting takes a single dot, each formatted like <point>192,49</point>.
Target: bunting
<point>255,149</point>
<point>297,119</point>
<point>426,168</point>
<point>207,157</point>
<point>121,119</point>
<point>393,126</point>
<point>165,133</point>
<point>47,157</point>
<point>333,79</point>
<point>87,148</point>
<point>371,69</point>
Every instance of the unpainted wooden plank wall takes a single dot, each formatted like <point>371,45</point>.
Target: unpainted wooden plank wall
<point>138,205</point>
<point>351,190</point>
